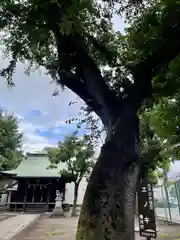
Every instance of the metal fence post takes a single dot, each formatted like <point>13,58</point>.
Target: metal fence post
<point>168,202</point>
<point>177,194</point>
<point>166,215</point>
<point>166,194</point>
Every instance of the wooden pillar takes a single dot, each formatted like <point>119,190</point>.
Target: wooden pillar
<point>8,200</point>
<point>9,197</point>
<point>48,196</point>
<point>34,186</point>
<point>25,197</point>
<point>41,190</point>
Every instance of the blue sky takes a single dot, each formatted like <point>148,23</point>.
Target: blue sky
<point>41,116</point>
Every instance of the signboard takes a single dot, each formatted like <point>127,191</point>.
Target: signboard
<point>147,222</point>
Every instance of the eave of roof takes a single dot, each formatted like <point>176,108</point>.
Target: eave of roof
<point>34,166</point>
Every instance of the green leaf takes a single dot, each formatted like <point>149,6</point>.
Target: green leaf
<point>10,142</point>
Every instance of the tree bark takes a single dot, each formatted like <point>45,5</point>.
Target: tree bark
<point>109,204</point>
<point>76,186</point>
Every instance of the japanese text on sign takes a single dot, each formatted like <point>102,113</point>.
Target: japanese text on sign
<point>147,224</point>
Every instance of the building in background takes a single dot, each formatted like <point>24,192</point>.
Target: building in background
<point>33,185</point>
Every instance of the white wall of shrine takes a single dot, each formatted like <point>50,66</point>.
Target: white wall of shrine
<point>69,195</point>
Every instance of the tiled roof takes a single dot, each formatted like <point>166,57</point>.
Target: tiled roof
<point>35,165</point>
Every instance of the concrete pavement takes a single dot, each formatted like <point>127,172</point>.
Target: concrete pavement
<point>65,229</point>
<point>14,225</point>
<point>47,228</point>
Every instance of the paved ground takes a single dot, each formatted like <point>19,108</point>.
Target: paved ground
<point>169,231</point>
<point>50,229</point>
<point>5,216</point>
<point>164,213</point>
<point>13,225</point>
<point>64,229</point>
<point>45,228</point>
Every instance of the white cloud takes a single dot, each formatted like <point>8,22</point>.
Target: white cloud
<point>31,140</point>
<point>60,123</point>
<point>34,92</point>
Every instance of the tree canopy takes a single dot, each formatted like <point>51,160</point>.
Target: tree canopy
<point>77,154</point>
<point>51,35</point>
<point>156,153</point>
<point>165,119</point>
<point>10,141</point>
<point>90,37</point>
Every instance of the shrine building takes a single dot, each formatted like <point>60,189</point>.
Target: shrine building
<point>33,184</point>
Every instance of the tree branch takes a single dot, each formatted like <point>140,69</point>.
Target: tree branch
<point>94,81</point>
<point>70,166</point>
<point>142,88</point>
<point>73,82</point>
<point>162,50</point>
<point>89,84</point>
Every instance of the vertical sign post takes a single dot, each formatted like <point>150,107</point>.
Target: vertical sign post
<point>147,222</point>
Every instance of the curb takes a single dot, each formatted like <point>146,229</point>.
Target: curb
<point>19,235</point>
<point>168,221</point>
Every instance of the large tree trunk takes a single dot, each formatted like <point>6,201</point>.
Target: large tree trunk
<point>109,204</point>
<point>76,186</point>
